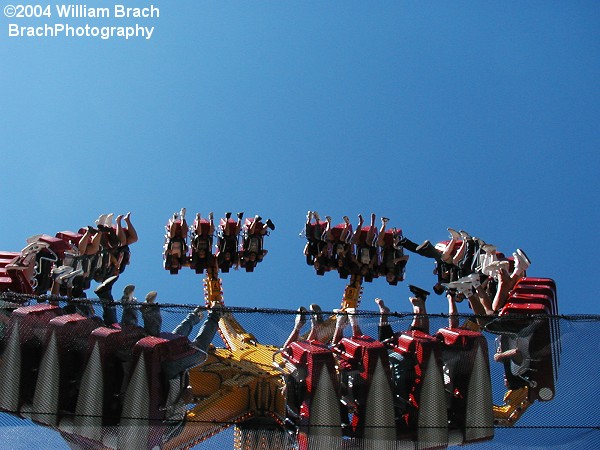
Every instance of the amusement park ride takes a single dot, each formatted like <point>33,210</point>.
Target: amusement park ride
<point>103,386</point>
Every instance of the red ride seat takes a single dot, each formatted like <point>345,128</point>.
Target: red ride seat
<point>71,332</point>
<point>416,362</point>
<point>362,235</point>
<point>531,314</point>
<point>148,392</point>
<point>115,350</point>
<point>314,375</point>
<point>388,237</point>
<point>468,383</point>
<point>30,325</point>
<point>367,361</point>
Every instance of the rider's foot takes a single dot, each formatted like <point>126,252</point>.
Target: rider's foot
<point>199,311</point>
<point>317,314</point>
<point>300,318</point>
<point>383,309</point>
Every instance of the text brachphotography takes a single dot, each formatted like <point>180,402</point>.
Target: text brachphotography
<point>69,31</point>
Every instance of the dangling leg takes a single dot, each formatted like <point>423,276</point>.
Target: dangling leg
<point>238,225</point>
<point>121,235</point>
<point>381,237</point>
<point>298,324</point>
<point>447,253</point>
<point>184,328</point>
<point>84,242</point>
<point>211,223</point>
<point>353,319</point>
<point>208,329</point>
<point>384,329</point>
<point>452,309</point>
<point>346,233</point>
<point>340,323</point>
<point>94,245</point>
<point>372,232</point>
<point>421,320</point>
<point>460,253</point>
<point>356,236</point>
<point>130,232</point>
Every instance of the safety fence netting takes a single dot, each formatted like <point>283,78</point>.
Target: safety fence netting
<point>173,376</point>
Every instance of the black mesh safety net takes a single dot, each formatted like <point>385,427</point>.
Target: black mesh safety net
<point>172,376</point>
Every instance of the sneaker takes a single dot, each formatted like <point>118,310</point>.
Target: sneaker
<point>453,233</point>
<point>453,285</point>
<point>68,276</point>
<point>494,267</point>
<point>418,292</point>
<point>425,244</point>
<point>485,259</point>
<point>328,219</point>
<point>474,279</point>
<point>488,248</point>
<point>346,219</point>
<point>498,265</point>
<point>182,213</point>
<point>217,311</point>
<point>106,284</point>
<point>227,215</point>
<point>270,224</point>
<point>385,219</point>
<point>464,287</point>
<point>316,216</point>
<point>479,242</point>
<point>524,256</point>
<point>57,271</point>
<point>100,220</point>
<point>108,220</point>
<point>240,215</point>
<point>211,216</point>
<point>521,264</point>
<point>257,218</point>
<point>300,317</point>
<point>439,289</point>
<point>383,309</point>
<point>199,311</point>
<point>308,215</point>
<point>466,290</point>
<point>464,234</point>
<point>317,314</point>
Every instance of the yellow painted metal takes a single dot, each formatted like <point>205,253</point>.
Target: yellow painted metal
<point>235,383</point>
<point>516,403</point>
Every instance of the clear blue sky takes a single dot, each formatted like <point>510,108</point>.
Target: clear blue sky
<point>480,116</point>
